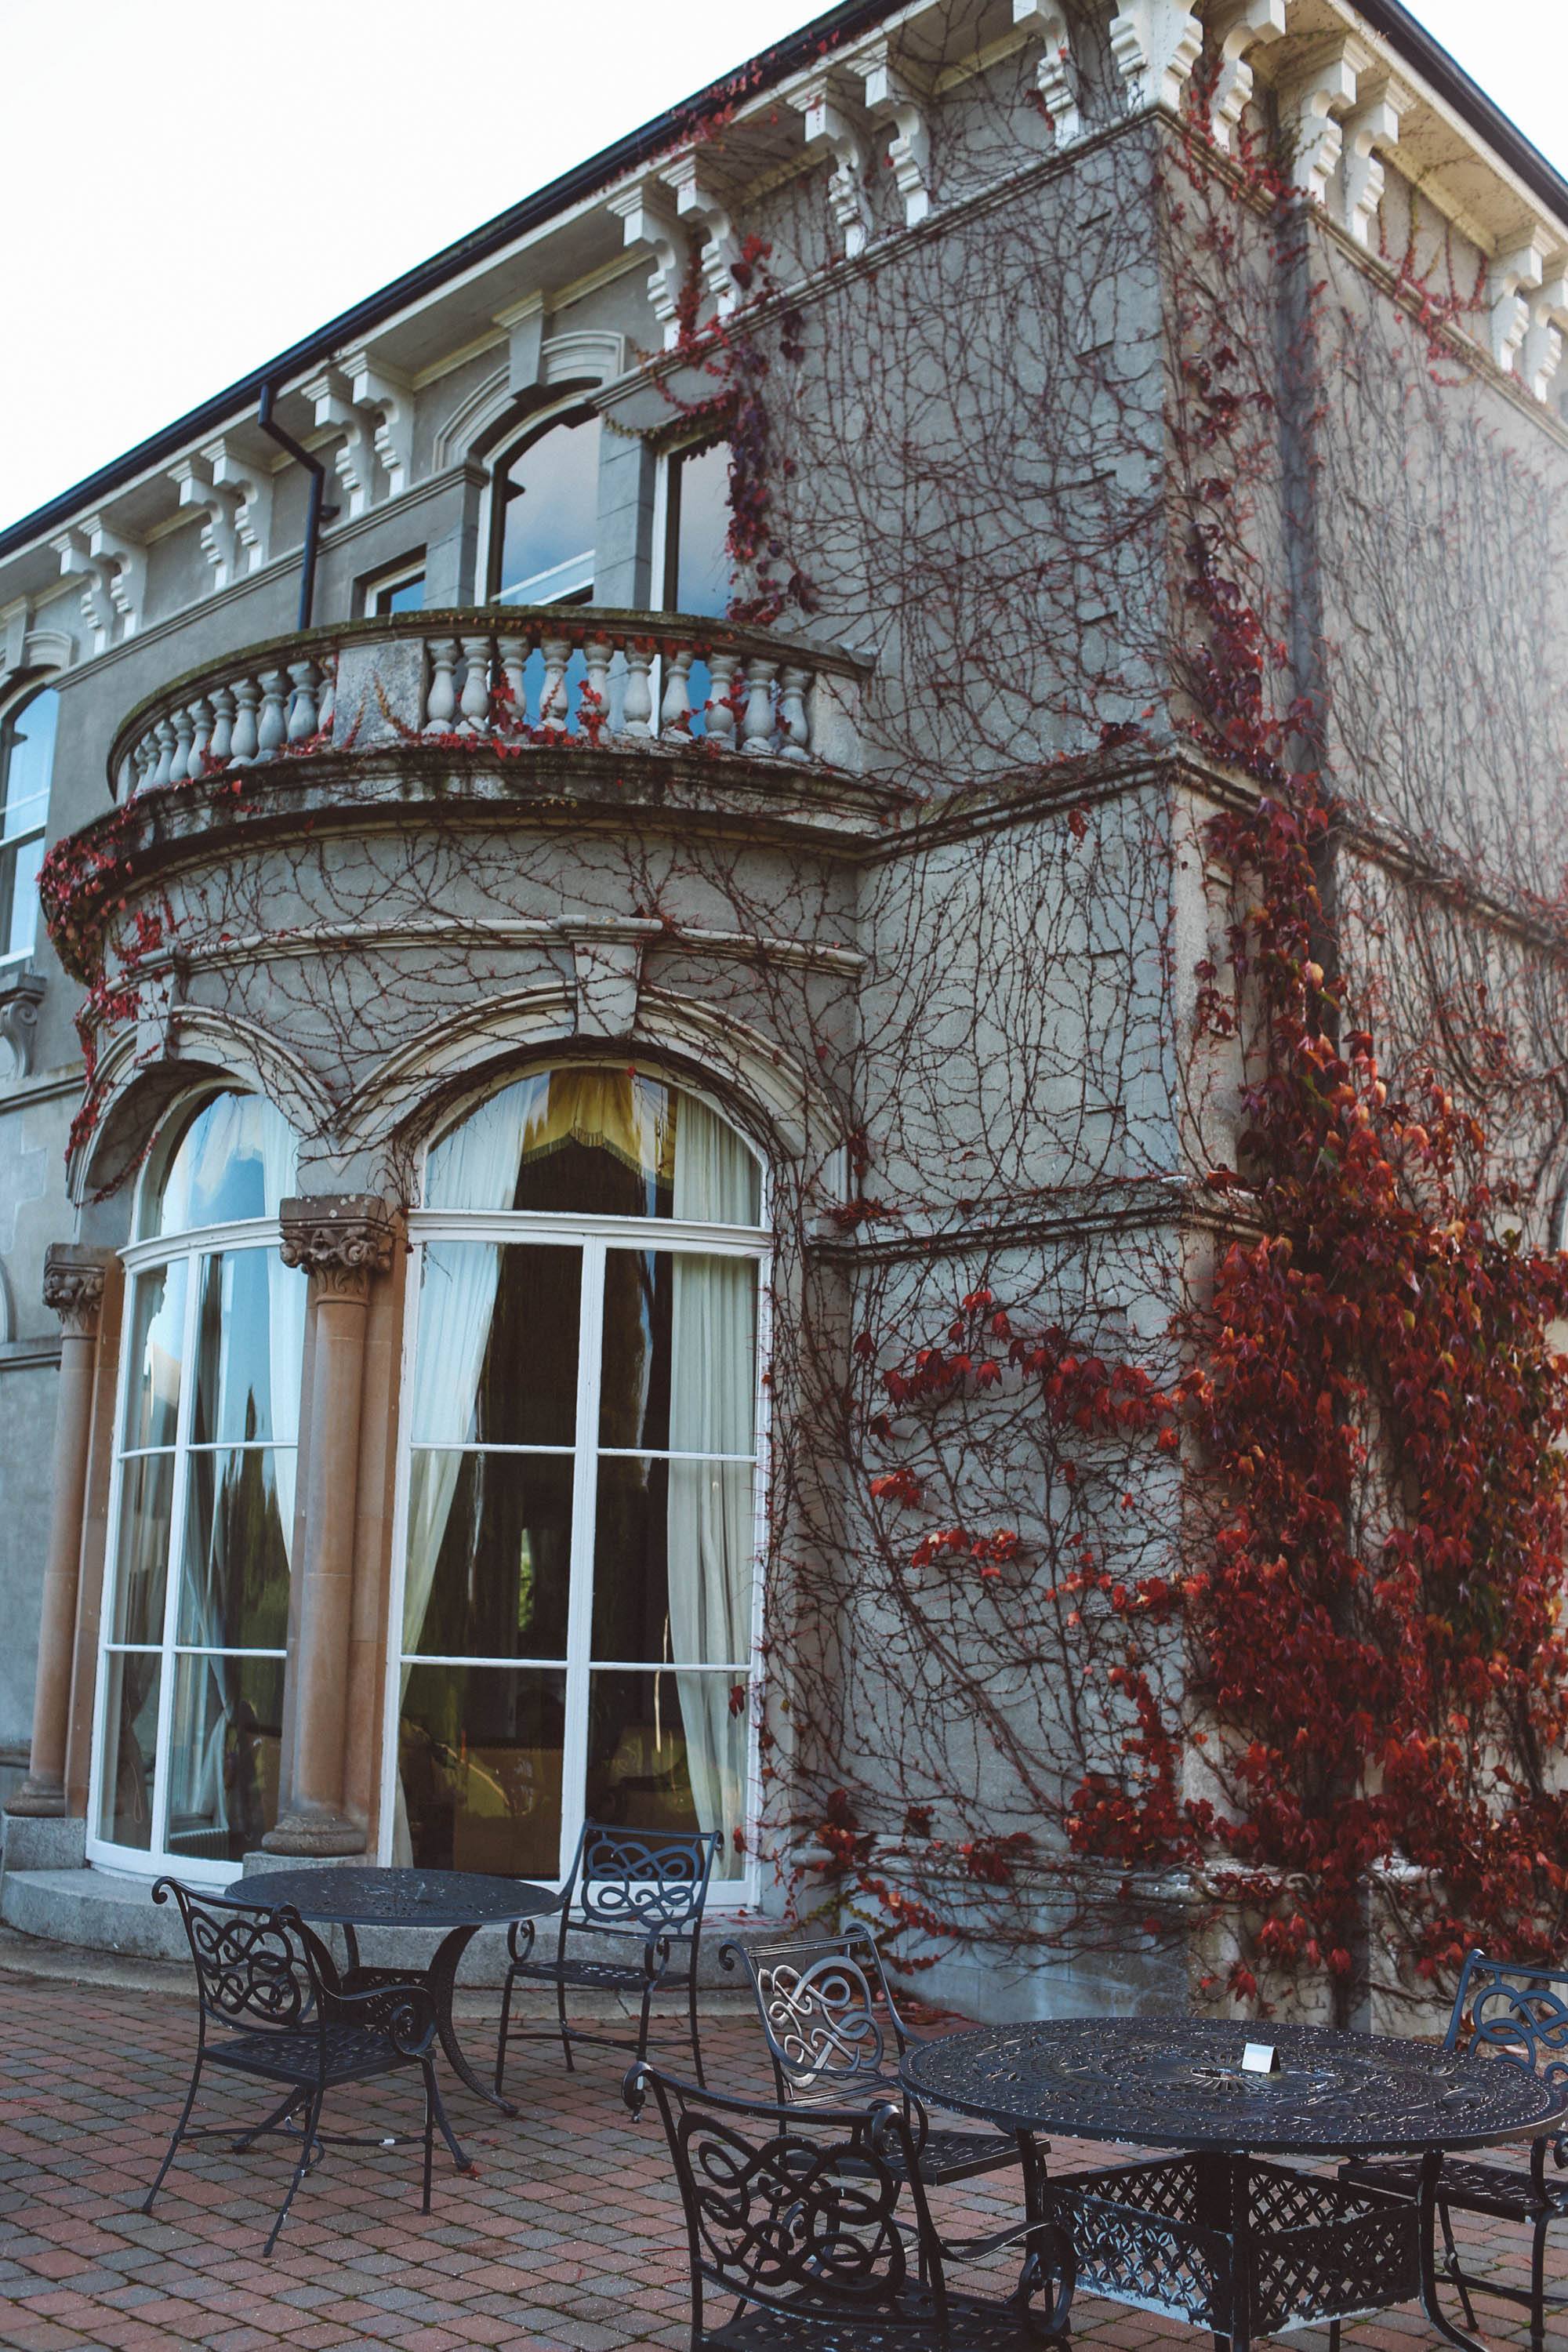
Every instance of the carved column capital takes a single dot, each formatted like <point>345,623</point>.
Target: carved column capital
<point>73,1284</point>
<point>341,1238</point>
<point>21,993</point>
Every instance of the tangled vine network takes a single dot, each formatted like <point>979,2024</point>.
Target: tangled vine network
<point>1197,1558</point>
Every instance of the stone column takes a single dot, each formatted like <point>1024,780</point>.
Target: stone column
<point>343,1240</point>
<point>73,1286</point>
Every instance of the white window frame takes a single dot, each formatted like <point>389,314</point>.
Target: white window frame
<point>492,526</point>
<point>592,1237</point>
<point>688,446</point>
<point>10,705</point>
<point>398,575</point>
<point>139,1258</point>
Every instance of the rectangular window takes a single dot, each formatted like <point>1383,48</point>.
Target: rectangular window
<point>402,591</point>
<point>27,761</point>
<point>696,529</point>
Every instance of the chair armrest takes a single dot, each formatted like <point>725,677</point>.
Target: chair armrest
<point>520,1936</point>
<point>404,2013</point>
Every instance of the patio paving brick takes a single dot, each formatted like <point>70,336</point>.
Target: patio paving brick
<point>568,2238</point>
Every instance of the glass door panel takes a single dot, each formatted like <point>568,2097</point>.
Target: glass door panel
<point>502,1577</point>
<point>157,1356</point>
<point>480,1752</point>
<point>250,1340</point>
<point>225,1742</point>
<point>130,1734</point>
<point>239,1513</point>
<point>667,1750</point>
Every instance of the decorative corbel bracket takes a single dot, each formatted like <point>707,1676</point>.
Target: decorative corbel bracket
<point>891,99</point>
<point>1374,124</point>
<point>1238,32</point>
<point>1313,104</point>
<point>648,217</point>
<point>219,507</point>
<point>21,993</point>
<point>355,456</point>
<point>1512,277</point>
<point>1154,45</point>
<point>113,573</point>
<point>701,210</point>
<point>607,973</point>
<point>1056,76</point>
<point>385,396</point>
<point>252,485</point>
<point>1541,354</point>
<point>830,131</point>
<point>339,1238</point>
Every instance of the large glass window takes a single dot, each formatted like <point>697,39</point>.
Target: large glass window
<point>696,577</point>
<point>547,517</point>
<point>26,762</point>
<point>580,1478</point>
<point>190,1695</point>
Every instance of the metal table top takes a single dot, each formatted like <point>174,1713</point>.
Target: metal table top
<point>1176,2083</point>
<point>396,1898</point>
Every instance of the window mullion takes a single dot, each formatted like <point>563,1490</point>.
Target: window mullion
<point>584,1503</point>
<point>173,1559</point>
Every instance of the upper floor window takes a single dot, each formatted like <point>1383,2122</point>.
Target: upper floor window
<point>546,517</point>
<point>696,529</point>
<point>402,591</point>
<point>27,761</point>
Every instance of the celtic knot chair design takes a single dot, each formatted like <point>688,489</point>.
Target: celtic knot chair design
<point>818,2005</point>
<point>792,2225</point>
<point>271,2008</point>
<point>1516,2016</point>
<point>647,1891</point>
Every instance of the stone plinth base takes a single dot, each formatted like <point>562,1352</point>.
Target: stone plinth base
<point>42,1842</point>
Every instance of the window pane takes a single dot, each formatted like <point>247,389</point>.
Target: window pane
<point>673,1552</point>
<point>250,1338</point>
<point>551,493</point>
<point>490,1555</point>
<point>498,1345</point>
<point>157,1348</point>
<point>224,1745</point>
<point>235,1160</point>
<point>130,1736</point>
<point>679,1352</point>
<point>146,1503</point>
<point>698,574</point>
<point>667,1752</point>
<point>27,756</point>
<point>479,1759</point>
<point>19,895</point>
<point>239,1525</point>
<point>407,596</point>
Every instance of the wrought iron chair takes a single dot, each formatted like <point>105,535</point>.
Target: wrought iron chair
<point>818,2002</point>
<point>1518,2016</point>
<point>644,1888</point>
<point>271,2007</point>
<point>790,2217</point>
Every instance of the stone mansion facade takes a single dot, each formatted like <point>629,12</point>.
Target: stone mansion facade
<point>505,771</point>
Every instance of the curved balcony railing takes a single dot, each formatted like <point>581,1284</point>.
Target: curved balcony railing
<point>514,679</point>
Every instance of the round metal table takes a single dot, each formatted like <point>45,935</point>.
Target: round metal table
<point>1218,2236</point>
<point>459,1901</point>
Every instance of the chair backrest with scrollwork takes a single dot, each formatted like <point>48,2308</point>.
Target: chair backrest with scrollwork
<point>253,1968</point>
<point>1511,2010</point>
<point>793,2209</point>
<point>646,1883</point>
<point>819,2005</point>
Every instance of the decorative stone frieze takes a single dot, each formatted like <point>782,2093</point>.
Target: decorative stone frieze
<point>339,1238</point>
<point>73,1285</point>
<point>21,993</point>
<point>1056,76</point>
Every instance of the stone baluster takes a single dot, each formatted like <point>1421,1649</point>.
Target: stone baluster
<point>164,735</point>
<point>513,653</point>
<point>272,729</point>
<point>73,1288</point>
<point>184,727</point>
<point>476,702</point>
<point>553,710</point>
<point>722,668</point>
<point>441,700</point>
<point>145,761</point>
<point>328,703</point>
<point>221,745</point>
<point>201,735</point>
<point>637,710</point>
<point>794,726</point>
<point>302,704</point>
<point>598,655</point>
<point>757,720</point>
<point>342,1241</point>
<point>246,695</point>
<point>675,710</point>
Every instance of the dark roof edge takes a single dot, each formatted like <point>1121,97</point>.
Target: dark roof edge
<point>1394,22</point>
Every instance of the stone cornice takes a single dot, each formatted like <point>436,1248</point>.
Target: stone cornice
<point>341,1239</point>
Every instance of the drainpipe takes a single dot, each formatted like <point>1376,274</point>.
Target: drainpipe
<point>316,514</point>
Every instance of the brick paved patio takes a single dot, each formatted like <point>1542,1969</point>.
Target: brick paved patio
<point>569,2240</point>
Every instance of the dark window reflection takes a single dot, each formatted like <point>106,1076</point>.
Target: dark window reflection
<point>130,1738</point>
<point>480,1755</point>
<point>637,1775</point>
<point>503,1568</point>
<point>528,1389</point>
<point>234,1594</point>
<point>224,1748</point>
<point>633,1393</point>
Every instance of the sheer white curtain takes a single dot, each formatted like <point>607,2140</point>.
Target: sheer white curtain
<point>711,1503</point>
<point>475,1168</point>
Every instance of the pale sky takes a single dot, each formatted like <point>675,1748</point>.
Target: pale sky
<point>187,186</point>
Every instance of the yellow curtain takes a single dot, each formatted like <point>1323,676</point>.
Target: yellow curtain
<point>614,1111</point>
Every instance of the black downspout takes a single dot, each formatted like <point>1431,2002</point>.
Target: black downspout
<point>315,513</point>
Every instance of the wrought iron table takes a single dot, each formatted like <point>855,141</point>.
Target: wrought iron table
<point>1216,2236</point>
<point>461,1901</point>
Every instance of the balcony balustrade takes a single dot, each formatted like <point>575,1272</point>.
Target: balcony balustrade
<point>515,681</point>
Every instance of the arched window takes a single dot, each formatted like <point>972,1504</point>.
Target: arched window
<point>196,1615</point>
<point>581,1462</point>
<point>547,516</point>
<point>26,762</point>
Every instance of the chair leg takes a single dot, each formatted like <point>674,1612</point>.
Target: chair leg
<point>429,2130</point>
<point>461,2162</point>
<point>179,2134</point>
<point>501,2038</point>
<point>566,2030</point>
<point>1334,2336</point>
<point>643,2025</point>
<point>1538,2289</point>
<point>312,2118</point>
<point>1454,2269</point>
<point>691,2021</point>
<point>248,2139</point>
